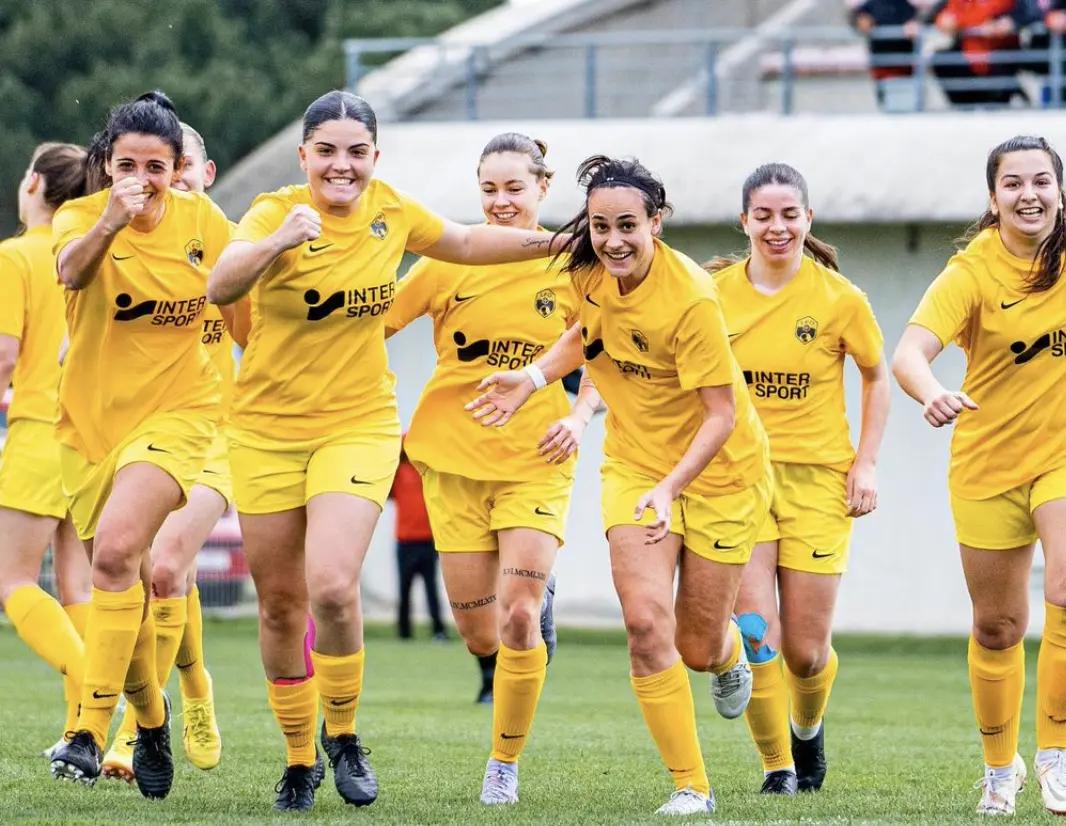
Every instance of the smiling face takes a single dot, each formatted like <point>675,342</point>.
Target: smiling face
<point>150,160</point>
<point>196,173</point>
<point>510,192</point>
<point>622,234</point>
<point>1027,198</point>
<point>339,158</point>
<point>776,223</point>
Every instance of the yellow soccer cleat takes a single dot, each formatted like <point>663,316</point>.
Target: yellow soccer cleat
<point>202,739</point>
<point>118,762</point>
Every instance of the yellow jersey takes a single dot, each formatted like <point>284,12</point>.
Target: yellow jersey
<point>489,318</point>
<point>219,345</point>
<point>135,330</point>
<point>31,310</point>
<point>791,347</point>
<point>1015,346</point>
<point>316,361</point>
<point>647,352</point>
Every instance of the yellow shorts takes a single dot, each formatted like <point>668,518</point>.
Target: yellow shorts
<point>286,475</point>
<point>29,470</point>
<point>809,518</point>
<point>1006,521</point>
<point>465,514</point>
<point>718,528</point>
<point>176,443</point>
<point>216,473</point>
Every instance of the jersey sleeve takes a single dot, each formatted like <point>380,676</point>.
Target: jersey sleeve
<point>262,218</point>
<point>948,304</point>
<point>414,294</point>
<point>71,221</point>
<point>862,335</point>
<point>701,347</point>
<point>217,232</point>
<point>12,295</point>
<point>425,227</point>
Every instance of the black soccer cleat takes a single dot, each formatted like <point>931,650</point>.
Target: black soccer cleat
<point>355,779</point>
<point>780,782</point>
<point>296,789</point>
<point>153,765</point>
<point>809,757</point>
<point>78,759</point>
<point>547,618</point>
<point>318,770</point>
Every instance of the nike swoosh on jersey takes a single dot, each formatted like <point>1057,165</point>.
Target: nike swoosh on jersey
<point>1005,305</point>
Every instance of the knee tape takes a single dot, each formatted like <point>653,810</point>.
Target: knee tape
<point>753,632</point>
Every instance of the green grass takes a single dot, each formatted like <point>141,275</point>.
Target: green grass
<point>901,742</point>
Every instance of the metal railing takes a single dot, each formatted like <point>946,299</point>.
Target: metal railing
<point>585,71</point>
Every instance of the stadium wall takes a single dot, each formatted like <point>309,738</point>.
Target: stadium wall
<point>891,192</point>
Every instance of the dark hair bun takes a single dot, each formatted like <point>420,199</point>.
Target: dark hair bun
<point>160,98</point>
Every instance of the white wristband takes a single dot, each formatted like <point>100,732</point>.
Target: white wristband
<point>536,375</point>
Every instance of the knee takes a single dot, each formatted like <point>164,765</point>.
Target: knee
<point>805,660</point>
<point>648,629</point>
<point>521,625</point>
<point>282,613</point>
<point>998,632</point>
<point>334,599</point>
<point>480,641</point>
<point>168,576</point>
<point>117,554</point>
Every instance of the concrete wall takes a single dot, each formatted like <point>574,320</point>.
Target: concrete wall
<point>905,574</point>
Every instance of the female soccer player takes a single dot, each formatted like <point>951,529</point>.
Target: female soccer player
<point>1003,301</point>
<point>33,510</point>
<point>138,401</point>
<point>496,504</point>
<point>175,599</point>
<point>315,433</point>
<point>686,477</point>
<point>792,318</point>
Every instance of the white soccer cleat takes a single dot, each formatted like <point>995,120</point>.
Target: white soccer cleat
<point>731,689</point>
<point>687,801</point>
<point>998,794</point>
<point>500,786</point>
<point>51,750</point>
<point>1051,774</point>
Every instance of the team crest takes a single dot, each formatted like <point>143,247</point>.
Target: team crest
<point>640,341</point>
<point>806,329</point>
<point>194,251</point>
<point>545,303</point>
<point>378,228</point>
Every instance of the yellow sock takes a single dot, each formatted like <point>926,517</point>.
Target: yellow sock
<point>516,692</point>
<point>339,681</point>
<point>810,695</point>
<point>666,702</point>
<point>767,715</point>
<point>734,658</point>
<point>110,635</point>
<point>79,615</point>
<point>169,615</point>
<point>47,629</point>
<point>997,682</point>
<point>1051,681</point>
<point>142,678</point>
<point>295,707</point>
<point>190,660</point>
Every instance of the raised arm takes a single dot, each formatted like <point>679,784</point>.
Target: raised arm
<point>243,263</point>
<point>483,244</point>
<point>79,261</point>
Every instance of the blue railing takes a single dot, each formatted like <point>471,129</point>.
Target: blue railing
<point>465,71</point>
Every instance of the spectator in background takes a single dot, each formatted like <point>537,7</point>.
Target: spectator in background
<point>890,57</point>
<point>415,554</point>
<point>980,28</point>
<point>1046,18</point>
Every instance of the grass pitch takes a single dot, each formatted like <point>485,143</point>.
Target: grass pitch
<point>900,741</point>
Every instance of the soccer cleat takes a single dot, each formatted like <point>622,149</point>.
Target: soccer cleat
<point>500,786</point>
<point>52,749</point>
<point>355,779</point>
<point>998,794</point>
<point>78,759</point>
<point>318,771</point>
<point>1051,774</point>
<point>200,735</point>
<point>731,689</point>
<point>296,789</point>
<point>687,801</point>
<point>547,618</point>
<point>809,757</point>
<point>780,782</point>
<point>118,762</point>
<point>153,764</point>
